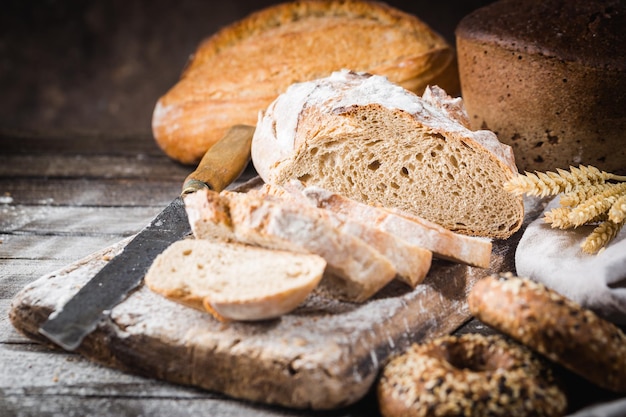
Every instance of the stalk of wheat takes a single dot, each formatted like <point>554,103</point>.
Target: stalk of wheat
<point>588,196</point>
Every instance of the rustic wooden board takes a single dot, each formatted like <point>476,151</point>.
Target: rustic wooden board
<point>324,355</point>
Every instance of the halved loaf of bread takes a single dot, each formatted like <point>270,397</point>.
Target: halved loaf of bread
<point>234,281</point>
<point>411,262</point>
<point>239,70</point>
<point>355,270</point>
<point>442,242</point>
<point>375,142</point>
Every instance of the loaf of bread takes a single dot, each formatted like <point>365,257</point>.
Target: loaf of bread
<point>549,78</point>
<point>234,281</point>
<point>443,243</point>
<point>412,262</point>
<point>355,270</point>
<point>239,70</point>
<point>375,142</point>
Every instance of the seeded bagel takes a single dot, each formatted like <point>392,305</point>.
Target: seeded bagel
<point>469,375</point>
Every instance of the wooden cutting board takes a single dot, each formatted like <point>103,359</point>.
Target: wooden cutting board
<point>324,355</point>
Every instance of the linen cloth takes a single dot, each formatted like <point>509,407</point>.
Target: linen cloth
<point>554,258</point>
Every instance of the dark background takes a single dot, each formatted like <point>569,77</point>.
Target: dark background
<point>85,66</point>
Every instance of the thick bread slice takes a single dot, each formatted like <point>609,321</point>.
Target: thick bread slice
<point>373,141</point>
<point>411,262</point>
<point>442,242</point>
<point>355,270</point>
<point>234,281</point>
<point>239,70</point>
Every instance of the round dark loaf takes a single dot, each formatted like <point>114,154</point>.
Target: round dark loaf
<point>549,78</point>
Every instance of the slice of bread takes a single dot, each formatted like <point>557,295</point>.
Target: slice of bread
<point>375,142</point>
<point>442,242</point>
<point>239,70</point>
<point>355,270</point>
<point>234,281</point>
<point>411,262</point>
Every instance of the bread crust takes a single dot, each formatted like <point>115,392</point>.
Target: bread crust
<point>412,262</point>
<point>443,243</point>
<point>220,88</point>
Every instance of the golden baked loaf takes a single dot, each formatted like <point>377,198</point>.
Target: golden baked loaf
<point>239,70</point>
<point>549,78</point>
<point>370,140</point>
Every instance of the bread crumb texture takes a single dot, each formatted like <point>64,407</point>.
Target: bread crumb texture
<point>234,281</point>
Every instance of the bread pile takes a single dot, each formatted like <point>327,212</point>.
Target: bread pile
<point>239,70</point>
<point>354,166</point>
<point>257,255</point>
<point>549,78</point>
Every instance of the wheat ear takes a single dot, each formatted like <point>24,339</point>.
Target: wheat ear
<point>550,183</point>
<point>582,193</point>
<point>558,218</point>
<point>617,212</point>
<point>600,236</point>
<point>591,174</point>
<point>596,205</point>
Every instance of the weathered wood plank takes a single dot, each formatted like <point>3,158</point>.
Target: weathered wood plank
<point>92,166</point>
<point>55,372</point>
<point>16,273</point>
<point>72,143</point>
<point>83,192</point>
<point>51,220</point>
<point>63,248</point>
<point>40,381</point>
<point>107,192</point>
<point>116,406</point>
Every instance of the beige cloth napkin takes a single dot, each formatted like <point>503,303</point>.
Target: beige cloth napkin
<point>554,258</point>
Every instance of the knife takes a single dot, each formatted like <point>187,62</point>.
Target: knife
<point>221,165</point>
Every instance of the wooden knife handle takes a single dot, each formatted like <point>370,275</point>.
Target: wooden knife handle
<point>223,162</point>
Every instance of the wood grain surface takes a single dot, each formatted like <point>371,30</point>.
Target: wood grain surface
<point>324,355</point>
<point>44,227</point>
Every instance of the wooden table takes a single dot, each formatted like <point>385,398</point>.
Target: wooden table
<point>61,199</point>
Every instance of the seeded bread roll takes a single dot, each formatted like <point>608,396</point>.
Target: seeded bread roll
<point>554,326</point>
<point>239,70</point>
<point>549,78</point>
<point>233,281</point>
<point>375,142</point>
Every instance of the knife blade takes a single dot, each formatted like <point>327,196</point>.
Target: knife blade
<point>221,165</point>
